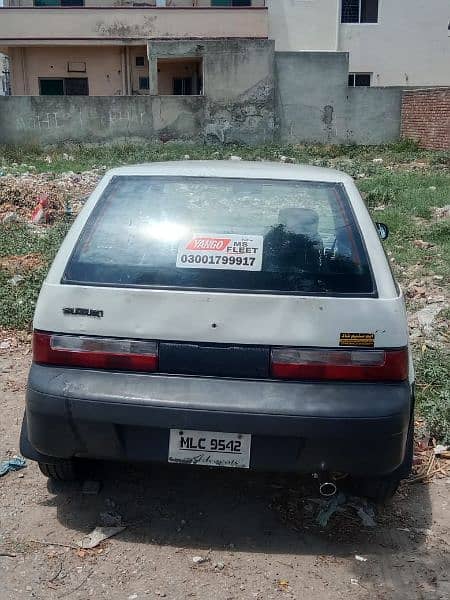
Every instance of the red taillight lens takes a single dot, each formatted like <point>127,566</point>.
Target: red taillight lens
<point>94,352</point>
<point>349,365</point>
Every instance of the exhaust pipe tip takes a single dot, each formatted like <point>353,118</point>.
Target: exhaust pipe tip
<point>327,489</point>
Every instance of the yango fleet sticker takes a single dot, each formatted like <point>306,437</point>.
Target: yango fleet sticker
<point>221,251</point>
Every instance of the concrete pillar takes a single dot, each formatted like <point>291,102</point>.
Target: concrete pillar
<point>123,68</point>
<point>128,71</point>
<point>152,72</point>
<point>25,76</point>
<point>17,71</point>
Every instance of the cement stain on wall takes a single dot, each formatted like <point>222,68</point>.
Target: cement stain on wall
<point>327,118</point>
<point>119,29</point>
<point>249,116</point>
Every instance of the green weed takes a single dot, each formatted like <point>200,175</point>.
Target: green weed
<point>18,298</point>
<point>81,157</point>
<point>433,392</point>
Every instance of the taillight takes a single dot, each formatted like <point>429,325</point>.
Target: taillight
<point>94,352</point>
<point>350,365</point>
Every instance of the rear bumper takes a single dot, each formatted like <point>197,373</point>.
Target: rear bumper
<point>296,426</point>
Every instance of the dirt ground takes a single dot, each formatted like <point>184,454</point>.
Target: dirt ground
<point>256,533</point>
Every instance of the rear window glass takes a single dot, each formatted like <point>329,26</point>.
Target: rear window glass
<point>223,234</point>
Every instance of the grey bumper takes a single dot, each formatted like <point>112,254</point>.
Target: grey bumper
<point>301,426</point>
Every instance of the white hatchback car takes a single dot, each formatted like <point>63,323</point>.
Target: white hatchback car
<point>227,314</point>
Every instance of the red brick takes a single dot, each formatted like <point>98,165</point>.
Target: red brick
<point>426,117</point>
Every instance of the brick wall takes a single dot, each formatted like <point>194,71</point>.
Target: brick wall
<point>426,117</point>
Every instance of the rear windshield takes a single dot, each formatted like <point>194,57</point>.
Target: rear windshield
<point>222,234</point>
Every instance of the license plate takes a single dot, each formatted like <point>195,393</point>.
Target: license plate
<point>212,448</point>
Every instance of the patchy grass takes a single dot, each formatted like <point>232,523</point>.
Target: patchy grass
<point>407,200</point>
<point>82,157</point>
<point>18,292</point>
<point>433,392</point>
<point>403,189</point>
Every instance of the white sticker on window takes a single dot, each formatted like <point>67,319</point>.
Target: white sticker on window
<point>221,251</point>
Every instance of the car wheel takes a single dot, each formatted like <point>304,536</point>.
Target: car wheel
<point>63,470</point>
<point>377,489</point>
<point>381,489</point>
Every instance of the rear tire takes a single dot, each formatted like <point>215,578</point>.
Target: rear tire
<point>378,489</point>
<point>381,489</point>
<point>63,470</point>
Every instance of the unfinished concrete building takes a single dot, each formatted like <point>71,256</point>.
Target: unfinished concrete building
<point>102,47</point>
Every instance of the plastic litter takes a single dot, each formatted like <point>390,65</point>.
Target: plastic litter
<point>367,519</point>
<point>364,511</point>
<point>426,316</point>
<point>198,560</point>
<point>12,464</point>
<point>16,280</point>
<point>339,503</point>
<point>331,506</point>
<point>360,558</point>
<point>99,534</point>
<point>10,217</point>
<point>441,450</point>
<point>40,210</point>
<point>20,194</point>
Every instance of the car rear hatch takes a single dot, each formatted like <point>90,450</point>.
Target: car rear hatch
<point>221,277</point>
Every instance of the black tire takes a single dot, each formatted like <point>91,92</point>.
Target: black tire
<point>381,489</point>
<point>377,489</point>
<point>63,470</point>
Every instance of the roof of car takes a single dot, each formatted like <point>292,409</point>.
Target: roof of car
<point>233,168</point>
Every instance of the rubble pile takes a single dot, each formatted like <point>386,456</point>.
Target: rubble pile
<point>430,458</point>
<point>43,197</point>
<point>19,263</point>
<point>427,303</point>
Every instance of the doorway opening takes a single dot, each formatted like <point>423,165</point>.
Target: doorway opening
<point>180,76</point>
